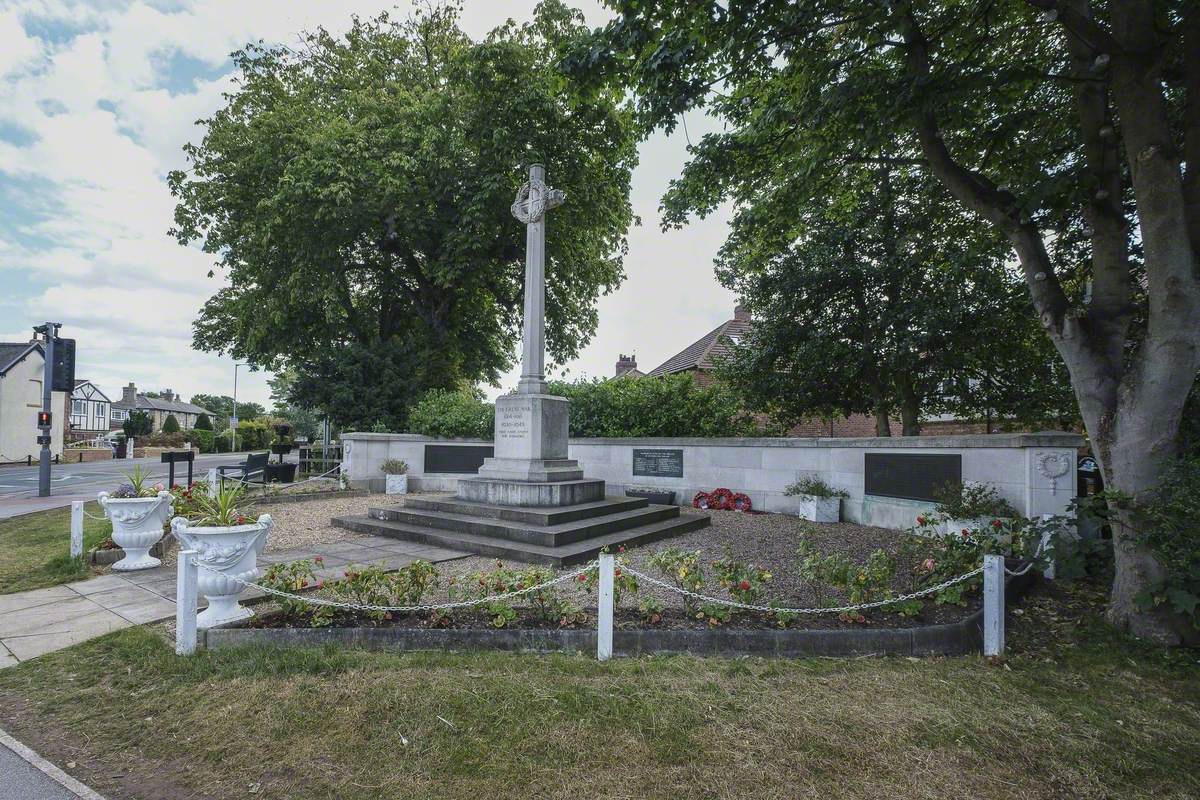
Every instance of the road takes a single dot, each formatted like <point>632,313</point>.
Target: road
<point>24,775</point>
<point>19,485</point>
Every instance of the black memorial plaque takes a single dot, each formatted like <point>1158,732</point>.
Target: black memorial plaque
<point>658,463</point>
<point>456,459</point>
<point>911,476</point>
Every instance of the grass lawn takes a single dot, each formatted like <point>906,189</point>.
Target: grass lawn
<point>35,549</point>
<point>1073,712</point>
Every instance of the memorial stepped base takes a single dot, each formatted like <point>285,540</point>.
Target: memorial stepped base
<point>557,536</point>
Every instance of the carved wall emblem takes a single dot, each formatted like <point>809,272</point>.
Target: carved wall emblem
<point>1053,466</point>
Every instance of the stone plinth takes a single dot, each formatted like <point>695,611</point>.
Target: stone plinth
<point>531,440</point>
<point>530,493</point>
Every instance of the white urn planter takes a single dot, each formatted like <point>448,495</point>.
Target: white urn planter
<point>397,484</point>
<point>223,554</point>
<point>819,509</point>
<point>137,526</point>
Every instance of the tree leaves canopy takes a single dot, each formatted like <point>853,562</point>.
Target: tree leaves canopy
<point>356,193</point>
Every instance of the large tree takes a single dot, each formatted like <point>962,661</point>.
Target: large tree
<point>356,191</point>
<point>1072,127</point>
<point>881,297</point>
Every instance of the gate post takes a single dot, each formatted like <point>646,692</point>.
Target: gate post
<point>185,603</point>
<point>76,528</point>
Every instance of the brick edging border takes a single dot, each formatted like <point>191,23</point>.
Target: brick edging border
<point>953,639</point>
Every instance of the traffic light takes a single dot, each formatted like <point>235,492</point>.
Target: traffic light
<point>43,419</point>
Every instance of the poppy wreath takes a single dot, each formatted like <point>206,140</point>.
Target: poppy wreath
<point>740,502</point>
<point>719,498</point>
<point>701,500</point>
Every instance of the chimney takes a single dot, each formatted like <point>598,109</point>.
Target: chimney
<point>625,364</point>
<point>740,313</point>
<point>168,395</point>
<point>129,395</point>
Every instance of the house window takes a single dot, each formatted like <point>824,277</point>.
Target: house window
<point>76,406</point>
<point>118,414</point>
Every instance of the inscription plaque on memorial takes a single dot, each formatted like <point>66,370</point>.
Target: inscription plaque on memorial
<point>456,459</point>
<point>658,463</point>
<point>909,476</point>
<point>512,420</point>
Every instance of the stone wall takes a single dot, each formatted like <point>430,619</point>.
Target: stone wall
<point>75,455</point>
<point>763,468</point>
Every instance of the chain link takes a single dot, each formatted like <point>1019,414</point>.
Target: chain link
<point>321,601</point>
<point>775,609</point>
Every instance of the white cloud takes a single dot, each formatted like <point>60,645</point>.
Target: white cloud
<point>99,128</point>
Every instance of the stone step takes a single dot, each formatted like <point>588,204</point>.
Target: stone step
<point>450,504</point>
<point>575,553</point>
<point>507,492</point>
<point>549,535</point>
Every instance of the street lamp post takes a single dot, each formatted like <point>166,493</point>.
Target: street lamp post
<point>233,419</point>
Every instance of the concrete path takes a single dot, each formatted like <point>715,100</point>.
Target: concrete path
<point>24,775</point>
<point>45,620</point>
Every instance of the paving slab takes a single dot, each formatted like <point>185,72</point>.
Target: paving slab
<point>142,612</point>
<point>103,583</point>
<point>36,597</point>
<point>38,618</point>
<point>64,634</point>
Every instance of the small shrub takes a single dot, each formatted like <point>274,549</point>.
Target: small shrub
<point>293,577</point>
<point>859,583</point>
<point>624,584</point>
<point>744,582</point>
<point>683,568</point>
<point>170,424</point>
<point>971,501</point>
<point>394,466</point>
<point>815,487</point>
<point>1171,516</point>
<point>453,414</point>
<point>651,609</point>
<point>205,440</point>
<point>546,603</point>
<point>203,423</point>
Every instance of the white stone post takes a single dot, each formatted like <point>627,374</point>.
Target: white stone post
<point>76,528</point>
<point>604,608</point>
<point>185,603</point>
<point>993,605</point>
<point>1048,550</point>
<point>129,448</point>
<point>212,482</point>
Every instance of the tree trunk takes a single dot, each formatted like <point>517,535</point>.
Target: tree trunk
<point>883,426</point>
<point>910,409</point>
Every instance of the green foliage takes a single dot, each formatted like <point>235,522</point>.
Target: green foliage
<point>296,408</point>
<point>453,414</point>
<point>672,405</point>
<point>255,435</point>
<point>546,604</point>
<point>624,584</point>
<point>813,486</point>
<point>170,424</point>
<point>138,424</point>
<point>1172,516</point>
<point>293,577</point>
<point>205,440</point>
<point>743,581</point>
<point>222,408</point>
<point>221,510</point>
<point>356,189</point>
<point>969,501</point>
<point>860,583</point>
<point>203,423</point>
<point>137,484</point>
<point>682,568</point>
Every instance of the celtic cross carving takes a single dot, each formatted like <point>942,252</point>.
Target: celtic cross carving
<point>534,199</point>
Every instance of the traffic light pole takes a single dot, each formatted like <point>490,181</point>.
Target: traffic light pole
<point>50,329</point>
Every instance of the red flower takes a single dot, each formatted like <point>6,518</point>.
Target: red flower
<point>617,573</point>
<point>744,585</point>
<point>996,523</point>
<point>319,559</point>
<point>965,533</point>
<point>582,578</point>
<point>921,520</point>
<point>621,548</point>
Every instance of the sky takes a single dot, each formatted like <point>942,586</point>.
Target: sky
<point>97,101</point>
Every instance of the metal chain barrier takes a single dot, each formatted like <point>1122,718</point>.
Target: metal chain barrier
<point>322,601</point>
<point>776,609</point>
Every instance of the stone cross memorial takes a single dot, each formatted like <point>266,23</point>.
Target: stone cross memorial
<point>531,426</point>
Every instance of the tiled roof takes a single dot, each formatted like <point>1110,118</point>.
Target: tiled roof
<point>12,352</point>
<point>704,353</point>
<point>170,405</point>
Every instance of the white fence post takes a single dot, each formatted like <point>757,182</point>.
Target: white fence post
<point>1048,550</point>
<point>993,605</point>
<point>76,528</point>
<point>129,448</point>
<point>212,482</point>
<point>604,607</point>
<point>185,604</point>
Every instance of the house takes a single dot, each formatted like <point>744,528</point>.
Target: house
<point>89,410</point>
<point>159,409</point>
<point>702,356</point>
<point>22,367</point>
<point>627,367</point>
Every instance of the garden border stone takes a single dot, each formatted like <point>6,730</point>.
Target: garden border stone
<point>299,497</point>
<point>953,639</point>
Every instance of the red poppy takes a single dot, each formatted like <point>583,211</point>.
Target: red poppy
<point>744,585</point>
<point>996,523</point>
<point>582,578</point>
<point>617,573</point>
<point>921,520</point>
